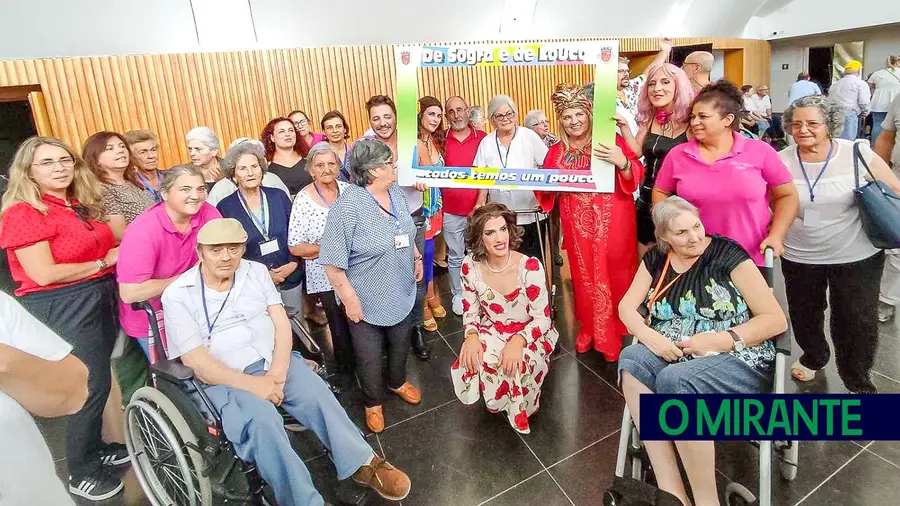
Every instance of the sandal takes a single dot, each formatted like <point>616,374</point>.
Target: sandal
<point>430,324</point>
<point>801,372</point>
<point>437,311</point>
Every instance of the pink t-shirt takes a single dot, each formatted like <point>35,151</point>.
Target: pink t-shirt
<point>731,193</point>
<point>153,249</point>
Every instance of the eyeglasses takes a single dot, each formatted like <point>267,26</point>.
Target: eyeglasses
<point>505,117</point>
<point>539,123</point>
<point>625,72</point>
<point>810,125</point>
<point>66,161</point>
<point>302,122</point>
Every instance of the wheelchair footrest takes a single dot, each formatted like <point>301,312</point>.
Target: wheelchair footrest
<point>631,492</point>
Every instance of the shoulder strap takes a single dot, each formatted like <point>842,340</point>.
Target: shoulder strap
<point>857,159</point>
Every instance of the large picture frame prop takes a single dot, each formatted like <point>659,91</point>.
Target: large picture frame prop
<point>410,60</point>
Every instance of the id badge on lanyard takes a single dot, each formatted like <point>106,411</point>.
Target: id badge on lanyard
<point>267,246</point>
<point>401,239</point>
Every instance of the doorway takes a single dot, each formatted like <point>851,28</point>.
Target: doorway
<point>820,66</point>
<point>16,125</point>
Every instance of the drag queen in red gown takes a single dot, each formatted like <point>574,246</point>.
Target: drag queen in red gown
<point>599,229</point>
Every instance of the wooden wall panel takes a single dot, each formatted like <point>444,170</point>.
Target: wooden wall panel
<point>236,93</point>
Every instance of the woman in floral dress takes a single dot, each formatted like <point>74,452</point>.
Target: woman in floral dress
<point>506,317</point>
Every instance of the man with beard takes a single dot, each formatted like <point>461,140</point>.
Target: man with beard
<point>628,88</point>
<point>461,144</point>
<point>383,123</point>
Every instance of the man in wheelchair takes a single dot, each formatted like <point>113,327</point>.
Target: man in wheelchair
<point>225,320</point>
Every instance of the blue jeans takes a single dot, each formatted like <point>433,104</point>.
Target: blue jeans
<point>877,120</point>
<point>144,343</point>
<point>256,430</point>
<point>454,231</point>
<point>718,374</point>
<point>851,125</point>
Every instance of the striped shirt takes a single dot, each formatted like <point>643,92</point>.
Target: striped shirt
<point>361,240</point>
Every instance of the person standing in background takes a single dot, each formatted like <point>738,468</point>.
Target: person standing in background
<point>887,146</point>
<point>698,66</point>
<point>460,145</point>
<point>803,87</point>
<point>851,94</point>
<point>628,88</point>
<point>884,85</point>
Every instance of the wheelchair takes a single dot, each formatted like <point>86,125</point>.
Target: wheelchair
<point>631,454</point>
<point>174,436</point>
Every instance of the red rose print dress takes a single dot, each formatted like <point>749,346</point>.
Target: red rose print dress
<point>496,317</point>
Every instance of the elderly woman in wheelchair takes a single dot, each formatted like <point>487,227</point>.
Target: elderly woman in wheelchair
<point>711,317</point>
<point>226,321</point>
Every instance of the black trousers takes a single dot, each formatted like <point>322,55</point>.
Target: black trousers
<point>340,332</point>
<point>369,342</point>
<point>85,315</point>
<point>853,298</point>
<point>531,244</point>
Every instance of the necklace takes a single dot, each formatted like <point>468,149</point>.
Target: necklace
<point>508,259</point>
<point>573,155</point>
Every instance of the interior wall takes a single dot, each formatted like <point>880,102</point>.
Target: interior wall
<point>798,18</point>
<point>880,42</point>
<point>236,93</point>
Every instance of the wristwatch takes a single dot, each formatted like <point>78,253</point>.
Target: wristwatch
<point>738,342</point>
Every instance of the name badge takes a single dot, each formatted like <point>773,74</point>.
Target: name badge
<point>268,247</point>
<point>401,241</point>
<point>812,218</point>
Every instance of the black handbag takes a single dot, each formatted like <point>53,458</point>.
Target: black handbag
<point>879,207</point>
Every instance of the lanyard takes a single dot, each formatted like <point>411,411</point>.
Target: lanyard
<point>392,213</point>
<point>500,153</point>
<point>325,202</point>
<point>812,196</point>
<point>262,226</point>
<point>144,181</point>
<point>657,292</point>
<point>212,324</point>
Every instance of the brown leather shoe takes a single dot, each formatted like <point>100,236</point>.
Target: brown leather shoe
<point>409,393</point>
<point>390,482</point>
<point>375,419</point>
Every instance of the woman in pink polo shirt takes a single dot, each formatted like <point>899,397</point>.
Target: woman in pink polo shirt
<point>741,187</point>
<point>160,245</point>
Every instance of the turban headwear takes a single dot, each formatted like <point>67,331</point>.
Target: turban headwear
<point>570,96</point>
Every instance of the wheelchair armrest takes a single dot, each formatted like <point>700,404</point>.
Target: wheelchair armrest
<point>172,370</point>
<point>783,342</point>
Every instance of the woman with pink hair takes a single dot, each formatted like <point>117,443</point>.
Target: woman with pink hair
<point>664,110</point>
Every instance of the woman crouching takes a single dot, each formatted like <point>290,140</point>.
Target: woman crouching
<point>506,317</point>
<point>711,315</point>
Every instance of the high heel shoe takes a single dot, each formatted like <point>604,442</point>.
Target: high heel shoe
<point>437,311</point>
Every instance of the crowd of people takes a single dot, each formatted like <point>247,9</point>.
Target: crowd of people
<point>238,245</point>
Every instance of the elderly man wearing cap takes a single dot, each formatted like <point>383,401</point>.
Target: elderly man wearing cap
<point>226,321</point>
<point>852,95</point>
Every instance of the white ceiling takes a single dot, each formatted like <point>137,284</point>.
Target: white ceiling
<point>54,28</point>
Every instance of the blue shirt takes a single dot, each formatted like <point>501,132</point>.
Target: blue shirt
<point>360,239</point>
<point>802,89</point>
<point>279,217</point>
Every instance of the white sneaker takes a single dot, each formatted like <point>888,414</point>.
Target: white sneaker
<point>457,305</point>
<point>885,312</point>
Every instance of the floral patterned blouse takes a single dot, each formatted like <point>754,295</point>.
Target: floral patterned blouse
<point>705,299</point>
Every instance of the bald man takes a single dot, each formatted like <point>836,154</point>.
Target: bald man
<point>697,66</point>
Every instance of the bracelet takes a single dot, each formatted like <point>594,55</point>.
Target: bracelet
<point>627,166</point>
<point>417,258</point>
<point>101,264</point>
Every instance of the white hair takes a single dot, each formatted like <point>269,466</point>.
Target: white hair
<point>255,142</point>
<point>203,135</point>
<point>534,117</point>
<point>499,101</point>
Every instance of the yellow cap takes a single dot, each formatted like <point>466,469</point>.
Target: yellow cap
<point>853,65</point>
<point>222,231</point>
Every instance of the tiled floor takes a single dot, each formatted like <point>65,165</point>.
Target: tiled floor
<point>461,455</point>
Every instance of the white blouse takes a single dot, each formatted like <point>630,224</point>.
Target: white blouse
<point>307,226</point>
<point>833,234</point>
<point>887,86</point>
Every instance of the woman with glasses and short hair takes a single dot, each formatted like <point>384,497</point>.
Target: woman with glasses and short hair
<point>537,121</point>
<point>61,252</point>
<point>509,146</point>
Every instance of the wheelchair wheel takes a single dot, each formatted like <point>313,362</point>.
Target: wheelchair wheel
<point>738,495</point>
<point>164,451</point>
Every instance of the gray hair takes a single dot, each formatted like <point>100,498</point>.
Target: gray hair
<point>318,149</point>
<point>238,149</point>
<point>589,91</point>
<point>534,117</point>
<point>834,116</point>
<point>476,115</point>
<point>247,139</point>
<point>168,177</point>
<point>203,135</point>
<point>366,156</point>
<point>664,212</point>
<point>499,101</point>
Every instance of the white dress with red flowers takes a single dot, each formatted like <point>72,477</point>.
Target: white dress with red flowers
<point>496,318</point>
